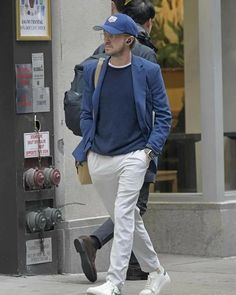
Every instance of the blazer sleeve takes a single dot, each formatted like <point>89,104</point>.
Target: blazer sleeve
<point>161,109</point>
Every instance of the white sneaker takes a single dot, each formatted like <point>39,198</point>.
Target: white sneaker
<point>156,281</point>
<point>105,289</point>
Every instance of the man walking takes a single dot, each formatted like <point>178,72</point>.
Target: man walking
<point>119,140</point>
<point>142,12</point>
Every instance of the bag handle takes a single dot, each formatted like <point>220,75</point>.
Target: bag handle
<point>98,70</point>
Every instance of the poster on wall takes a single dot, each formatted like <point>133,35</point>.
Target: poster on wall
<point>41,94</point>
<point>24,101</point>
<point>33,20</point>
<point>38,69</point>
<point>31,94</point>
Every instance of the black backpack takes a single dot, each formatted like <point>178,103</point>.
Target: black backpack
<point>73,97</point>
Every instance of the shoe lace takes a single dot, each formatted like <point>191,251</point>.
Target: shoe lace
<point>149,284</point>
<point>115,290</point>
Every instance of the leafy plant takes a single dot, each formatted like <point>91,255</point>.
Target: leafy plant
<point>170,53</point>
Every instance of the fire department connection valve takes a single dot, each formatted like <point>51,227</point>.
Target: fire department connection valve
<point>52,176</point>
<point>53,216</point>
<point>36,221</point>
<point>34,178</point>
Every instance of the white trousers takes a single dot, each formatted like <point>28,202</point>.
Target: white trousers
<point>118,180</point>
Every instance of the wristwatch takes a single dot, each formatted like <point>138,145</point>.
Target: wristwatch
<point>150,153</point>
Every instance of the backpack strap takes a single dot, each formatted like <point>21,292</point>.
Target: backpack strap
<point>98,70</point>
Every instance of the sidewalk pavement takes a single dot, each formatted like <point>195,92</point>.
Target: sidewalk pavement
<point>190,276</point>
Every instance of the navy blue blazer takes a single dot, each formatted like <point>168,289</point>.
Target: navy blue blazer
<point>152,106</point>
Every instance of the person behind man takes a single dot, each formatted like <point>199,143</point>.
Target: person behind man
<point>119,142</point>
<point>142,12</point>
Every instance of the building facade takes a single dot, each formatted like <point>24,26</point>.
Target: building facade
<point>196,222</point>
<point>197,215</point>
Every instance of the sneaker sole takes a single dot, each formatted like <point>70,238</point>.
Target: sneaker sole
<point>89,293</point>
<point>87,267</point>
<point>96,293</point>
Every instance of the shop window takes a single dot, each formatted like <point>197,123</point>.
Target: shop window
<point>177,164</point>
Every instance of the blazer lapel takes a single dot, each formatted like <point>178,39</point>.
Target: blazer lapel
<point>139,86</point>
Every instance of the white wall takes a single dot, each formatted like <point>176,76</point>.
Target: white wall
<point>73,40</point>
<point>191,70</point>
<point>228,13</point>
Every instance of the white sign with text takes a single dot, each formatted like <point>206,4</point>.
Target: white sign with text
<point>36,254</point>
<point>36,144</point>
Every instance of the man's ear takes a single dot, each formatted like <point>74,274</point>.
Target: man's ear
<point>148,25</point>
<point>130,40</point>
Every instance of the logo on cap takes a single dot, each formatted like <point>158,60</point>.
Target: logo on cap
<point>112,19</point>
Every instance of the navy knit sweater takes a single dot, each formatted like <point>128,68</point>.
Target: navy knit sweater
<point>117,124</point>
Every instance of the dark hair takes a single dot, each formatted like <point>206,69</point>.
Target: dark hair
<point>119,4</point>
<point>139,10</point>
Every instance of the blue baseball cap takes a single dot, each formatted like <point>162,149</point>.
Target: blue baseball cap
<point>119,23</point>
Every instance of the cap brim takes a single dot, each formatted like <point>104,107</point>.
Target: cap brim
<point>108,29</point>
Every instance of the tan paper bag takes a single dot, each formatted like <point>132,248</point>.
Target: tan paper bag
<point>83,173</point>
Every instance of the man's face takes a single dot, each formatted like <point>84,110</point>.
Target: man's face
<point>115,45</point>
